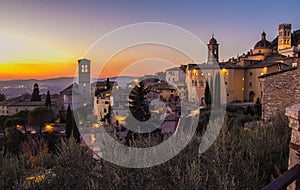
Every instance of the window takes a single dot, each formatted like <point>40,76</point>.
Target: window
<point>201,83</point>
<point>250,73</point>
<point>117,113</point>
<point>227,94</point>
<point>84,68</point>
<point>97,101</point>
<point>106,102</point>
<point>226,83</point>
<point>104,110</point>
<point>250,84</point>
<point>17,110</point>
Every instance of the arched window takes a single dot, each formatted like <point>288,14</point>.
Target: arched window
<point>201,83</point>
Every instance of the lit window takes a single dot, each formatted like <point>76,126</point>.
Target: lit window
<point>243,78</point>
<point>243,89</point>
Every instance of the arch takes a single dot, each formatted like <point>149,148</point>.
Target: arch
<point>251,96</point>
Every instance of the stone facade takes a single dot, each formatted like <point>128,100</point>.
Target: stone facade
<point>280,90</point>
<point>293,114</point>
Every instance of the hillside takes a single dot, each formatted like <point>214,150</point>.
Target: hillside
<point>14,88</point>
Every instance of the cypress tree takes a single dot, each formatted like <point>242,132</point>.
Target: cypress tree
<point>69,122</point>
<point>217,100</point>
<point>48,100</point>
<point>207,94</point>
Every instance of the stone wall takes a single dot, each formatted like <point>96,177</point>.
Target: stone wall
<point>280,90</point>
<point>293,115</point>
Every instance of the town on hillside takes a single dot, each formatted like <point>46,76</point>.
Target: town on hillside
<point>256,84</point>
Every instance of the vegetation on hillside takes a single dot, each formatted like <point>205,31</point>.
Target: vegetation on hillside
<point>247,154</point>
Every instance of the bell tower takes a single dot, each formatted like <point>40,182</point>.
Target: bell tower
<point>84,81</point>
<point>284,36</point>
<point>213,51</point>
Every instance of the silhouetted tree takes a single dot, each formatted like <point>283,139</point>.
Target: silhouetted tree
<point>2,97</point>
<point>258,107</point>
<point>36,93</point>
<point>48,100</point>
<point>69,124</point>
<point>108,87</point>
<point>71,127</point>
<point>138,104</point>
<point>14,137</point>
<point>39,116</point>
<point>217,97</point>
<point>207,95</point>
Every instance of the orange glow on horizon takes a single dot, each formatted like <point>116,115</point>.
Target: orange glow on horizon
<point>11,71</point>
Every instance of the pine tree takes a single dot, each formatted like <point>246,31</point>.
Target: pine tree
<point>36,93</point>
<point>48,100</point>
<point>138,104</point>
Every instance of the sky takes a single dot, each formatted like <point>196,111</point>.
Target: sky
<point>44,39</point>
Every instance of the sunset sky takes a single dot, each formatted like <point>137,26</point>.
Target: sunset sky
<point>44,39</point>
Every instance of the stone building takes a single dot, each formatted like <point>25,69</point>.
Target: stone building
<point>240,75</point>
<point>280,90</point>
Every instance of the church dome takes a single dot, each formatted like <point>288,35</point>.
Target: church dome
<point>213,40</point>
<point>263,43</point>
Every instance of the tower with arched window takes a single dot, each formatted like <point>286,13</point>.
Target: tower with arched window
<point>284,36</point>
<point>84,81</point>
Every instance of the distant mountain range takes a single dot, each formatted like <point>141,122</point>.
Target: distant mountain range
<point>14,88</point>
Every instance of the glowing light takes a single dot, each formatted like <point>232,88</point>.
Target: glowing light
<point>243,78</point>
<point>48,128</point>
<point>19,126</point>
<point>96,125</point>
<point>243,89</point>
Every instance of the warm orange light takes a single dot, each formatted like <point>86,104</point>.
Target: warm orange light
<point>19,126</point>
<point>243,78</point>
<point>48,128</point>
